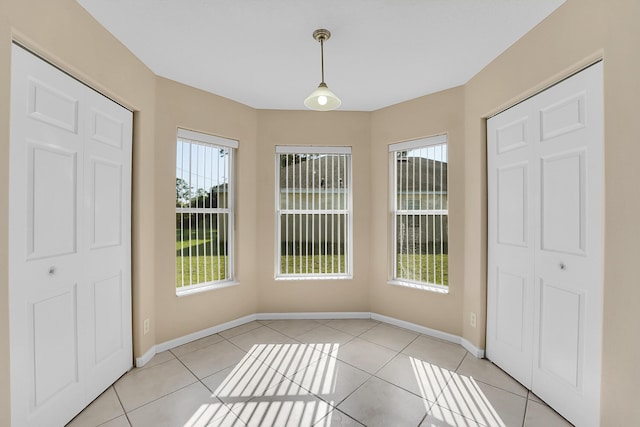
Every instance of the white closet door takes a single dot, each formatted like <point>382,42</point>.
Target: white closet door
<point>510,268</point>
<point>569,248</point>
<point>69,268</point>
<point>561,304</point>
<point>107,198</point>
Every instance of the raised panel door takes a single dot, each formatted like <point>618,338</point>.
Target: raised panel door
<point>70,310</point>
<point>544,305</point>
<point>510,274</point>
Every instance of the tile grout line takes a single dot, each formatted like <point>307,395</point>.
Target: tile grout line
<point>446,384</point>
<point>268,365</point>
<point>329,355</point>
<point>289,336</point>
<point>93,401</point>
<point>335,406</point>
<point>159,397</point>
<point>389,348</point>
<point>379,369</point>
<point>357,336</point>
<point>285,378</point>
<point>493,385</point>
<point>398,352</point>
<point>486,383</point>
<point>460,363</point>
<point>126,415</point>
<point>264,362</point>
<point>504,389</point>
<point>205,386</point>
<point>372,375</point>
<point>197,377</point>
<point>349,395</point>
<point>409,391</point>
<point>424,417</point>
<point>235,345</point>
<point>164,395</point>
<point>390,360</point>
<point>526,408</point>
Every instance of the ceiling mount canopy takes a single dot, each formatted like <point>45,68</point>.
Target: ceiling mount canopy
<point>322,99</point>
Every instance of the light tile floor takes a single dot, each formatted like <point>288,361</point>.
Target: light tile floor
<point>317,373</point>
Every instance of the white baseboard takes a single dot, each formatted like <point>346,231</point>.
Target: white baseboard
<point>204,333</point>
<point>314,315</point>
<point>142,360</point>
<point>159,348</point>
<point>417,328</point>
<point>477,352</point>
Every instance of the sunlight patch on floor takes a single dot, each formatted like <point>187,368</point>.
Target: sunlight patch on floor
<point>431,379</point>
<point>260,393</point>
<point>465,397</point>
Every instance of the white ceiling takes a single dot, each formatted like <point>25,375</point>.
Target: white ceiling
<point>261,52</point>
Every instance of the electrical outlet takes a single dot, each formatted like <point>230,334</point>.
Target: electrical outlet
<point>472,320</point>
<point>145,327</point>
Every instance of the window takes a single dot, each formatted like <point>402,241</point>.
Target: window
<point>204,211</point>
<point>420,212</point>
<point>313,199</point>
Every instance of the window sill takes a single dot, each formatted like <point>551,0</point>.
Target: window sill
<point>205,288</point>
<point>309,277</point>
<point>423,287</point>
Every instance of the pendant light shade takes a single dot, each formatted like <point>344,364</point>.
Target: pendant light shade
<point>322,99</point>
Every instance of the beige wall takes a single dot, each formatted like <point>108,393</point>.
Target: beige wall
<point>574,35</point>
<point>439,113</point>
<point>569,39</point>
<point>181,106</point>
<point>312,128</point>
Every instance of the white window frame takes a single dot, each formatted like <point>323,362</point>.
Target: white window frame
<point>348,212</point>
<point>396,210</point>
<point>221,143</point>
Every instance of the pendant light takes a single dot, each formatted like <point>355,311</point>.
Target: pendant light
<point>322,99</point>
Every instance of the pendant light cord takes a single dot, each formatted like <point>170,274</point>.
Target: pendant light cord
<point>322,56</point>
